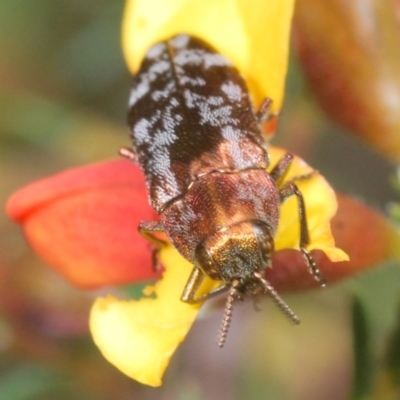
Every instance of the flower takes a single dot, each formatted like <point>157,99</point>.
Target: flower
<point>360,66</point>
<point>157,326</point>
<point>78,224</point>
<point>254,35</point>
<point>83,221</point>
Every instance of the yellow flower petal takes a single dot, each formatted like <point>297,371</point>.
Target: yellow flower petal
<point>321,206</point>
<point>253,34</point>
<point>139,337</point>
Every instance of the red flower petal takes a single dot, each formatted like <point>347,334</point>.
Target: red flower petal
<point>350,56</point>
<point>83,222</point>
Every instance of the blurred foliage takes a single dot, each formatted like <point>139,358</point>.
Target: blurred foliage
<point>63,94</point>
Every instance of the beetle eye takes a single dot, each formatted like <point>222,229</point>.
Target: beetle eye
<point>206,263</point>
<point>202,256</point>
<point>265,240</point>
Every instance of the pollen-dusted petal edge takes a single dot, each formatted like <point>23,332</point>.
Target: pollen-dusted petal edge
<point>139,337</point>
<point>263,62</point>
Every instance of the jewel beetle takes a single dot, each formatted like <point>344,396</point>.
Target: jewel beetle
<point>198,141</point>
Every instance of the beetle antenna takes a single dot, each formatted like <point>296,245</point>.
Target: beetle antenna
<point>312,266</point>
<point>226,321</point>
<point>277,299</point>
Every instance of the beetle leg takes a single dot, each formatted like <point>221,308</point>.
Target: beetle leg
<point>146,229</point>
<point>303,177</point>
<point>291,189</point>
<point>193,285</point>
<point>280,170</point>
<point>288,190</point>
<point>264,114</point>
<point>128,153</point>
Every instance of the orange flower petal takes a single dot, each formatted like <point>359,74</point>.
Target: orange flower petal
<point>253,34</point>
<point>83,222</point>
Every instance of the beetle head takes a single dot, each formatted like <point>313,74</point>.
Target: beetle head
<point>238,256</point>
<point>234,253</point>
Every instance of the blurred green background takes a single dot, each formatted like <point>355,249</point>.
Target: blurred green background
<point>63,96</point>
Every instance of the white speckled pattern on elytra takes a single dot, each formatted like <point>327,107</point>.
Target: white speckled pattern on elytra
<point>233,91</point>
<point>144,86</point>
<point>190,113</point>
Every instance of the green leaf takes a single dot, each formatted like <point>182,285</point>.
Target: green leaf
<point>26,382</point>
<point>362,354</point>
<point>392,354</point>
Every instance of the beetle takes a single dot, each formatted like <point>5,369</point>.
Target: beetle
<point>198,141</point>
